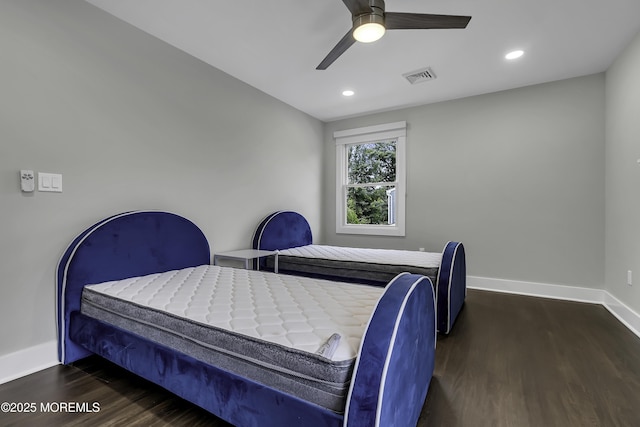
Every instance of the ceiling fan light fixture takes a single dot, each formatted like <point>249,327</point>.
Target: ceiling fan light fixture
<point>368,28</point>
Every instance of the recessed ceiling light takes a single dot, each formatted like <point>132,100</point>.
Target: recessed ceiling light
<point>514,55</point>
<point>348,93</point>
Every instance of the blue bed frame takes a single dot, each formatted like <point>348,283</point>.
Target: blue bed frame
<point>393,368</point>
<point>287,229</point>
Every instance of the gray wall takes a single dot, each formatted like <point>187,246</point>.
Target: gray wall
<point>518,176</point>
<point>131,123</point>
<point>623,176</point>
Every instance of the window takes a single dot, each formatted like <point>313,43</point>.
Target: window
<point>370,180</point>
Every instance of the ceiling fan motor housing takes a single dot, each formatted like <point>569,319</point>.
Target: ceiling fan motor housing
<point>373,16</point>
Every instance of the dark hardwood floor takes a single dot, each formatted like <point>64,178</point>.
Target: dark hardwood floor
<point>523,361</point>
<point>509,361</point>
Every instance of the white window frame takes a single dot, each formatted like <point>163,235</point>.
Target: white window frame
<point>396,131</point>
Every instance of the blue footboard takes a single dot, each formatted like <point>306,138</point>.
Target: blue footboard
<point>451,285</point>
<point>396,357</point>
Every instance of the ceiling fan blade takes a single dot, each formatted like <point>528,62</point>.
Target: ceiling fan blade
<point>357,7</point>
<point>338,50</point>
<point>421,21</point>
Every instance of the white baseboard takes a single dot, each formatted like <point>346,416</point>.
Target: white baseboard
<point>570,293</point>
<point>28,361</point>
<point>624,314</point>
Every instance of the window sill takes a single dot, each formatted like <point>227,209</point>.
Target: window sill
<point>372,230</point>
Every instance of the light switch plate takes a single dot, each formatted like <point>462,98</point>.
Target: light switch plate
<point>50,182</point>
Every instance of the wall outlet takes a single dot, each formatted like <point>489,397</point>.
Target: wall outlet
<point>421,249</point>
<point>629,278</point>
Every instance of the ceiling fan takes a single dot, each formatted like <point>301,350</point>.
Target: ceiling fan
<point>370,22</point>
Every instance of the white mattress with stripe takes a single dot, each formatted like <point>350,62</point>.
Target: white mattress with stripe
<point>295,312</point>
<point>367,255</point>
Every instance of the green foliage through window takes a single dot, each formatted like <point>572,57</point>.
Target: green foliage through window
<point>375,164</point>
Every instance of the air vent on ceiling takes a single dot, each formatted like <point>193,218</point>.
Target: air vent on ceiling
<point>419,76</point>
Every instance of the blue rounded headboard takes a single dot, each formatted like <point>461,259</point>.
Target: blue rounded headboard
<point>282,230</point>
<point>124,245</point>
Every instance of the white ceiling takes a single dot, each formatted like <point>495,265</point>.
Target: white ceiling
<point>276,45</point>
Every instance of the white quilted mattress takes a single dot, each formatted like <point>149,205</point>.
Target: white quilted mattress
<point>367,255</point>
<point>295,312</point>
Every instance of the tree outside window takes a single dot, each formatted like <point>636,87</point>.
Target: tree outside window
<point>371,168</point>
